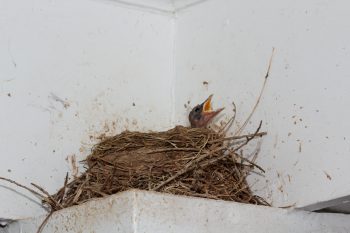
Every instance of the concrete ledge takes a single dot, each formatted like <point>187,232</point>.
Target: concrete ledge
<point>149,212</point>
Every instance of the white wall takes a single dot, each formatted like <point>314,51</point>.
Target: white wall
<point>305,106</point>
<point>70,70</point>
<point>73,69</point>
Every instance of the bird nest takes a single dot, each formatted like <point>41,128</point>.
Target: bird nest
<point>186,161</point>
<point>197,162</point>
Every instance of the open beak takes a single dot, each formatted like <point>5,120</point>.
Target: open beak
<point>208,112</point>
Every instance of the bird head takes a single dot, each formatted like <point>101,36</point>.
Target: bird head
<point>202,114</point>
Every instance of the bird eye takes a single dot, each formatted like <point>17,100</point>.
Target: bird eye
<point>196,109</point>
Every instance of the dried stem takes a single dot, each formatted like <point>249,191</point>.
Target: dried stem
<point>239,131</point>
<point>24,187</point>
<point>42,225</point>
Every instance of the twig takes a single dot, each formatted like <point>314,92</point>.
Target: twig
<point>64,187</point>
<point>62,192</point>
<point>260,95</point>
<point>172,149</point>
<point>189,167</point>
<point>229,123</point>
<point>250,162</point>
<point>41,227</point>
<point>214,160</point>
<point>54,202</point>
<point>249,138</point>
<point>24,187</point>
<point>238,137</point>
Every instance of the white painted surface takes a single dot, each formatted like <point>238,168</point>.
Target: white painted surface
<point>147,212</point>
<point>96,58</point>
<point>180,5</point>
<point>101,56</point>
<point>228,44</point>
<point>160,6</point>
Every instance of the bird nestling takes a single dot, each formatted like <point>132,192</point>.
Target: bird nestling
<point>202,114</point>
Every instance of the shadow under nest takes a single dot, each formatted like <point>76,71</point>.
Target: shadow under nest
<point>186,161</point>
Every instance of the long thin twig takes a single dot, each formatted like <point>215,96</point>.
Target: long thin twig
<point>24,187</point>
<point>249,138</point>
<point>62,191</point>
<point>239,131</point>
<point>229,123</point>
<point>250,162</point>
<point>190,166</point>
<point>52,200</point>
<point>214,160</point>
<point>238,137</point>
<point>42,225</point>
<point>172,149</point>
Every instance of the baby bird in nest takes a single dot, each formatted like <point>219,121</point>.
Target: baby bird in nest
<point>202,114</point>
